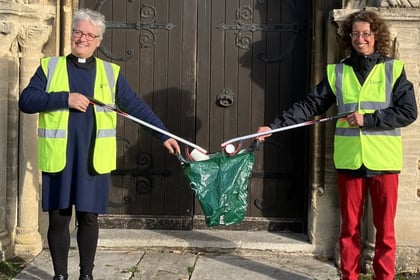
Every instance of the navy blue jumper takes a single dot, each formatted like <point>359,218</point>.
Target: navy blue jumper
<point>78,184</point>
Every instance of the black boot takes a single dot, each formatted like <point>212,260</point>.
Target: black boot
<point>86,277</point>
<point>60,277</point>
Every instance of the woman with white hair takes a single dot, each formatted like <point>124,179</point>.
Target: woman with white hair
<point>76,141</point>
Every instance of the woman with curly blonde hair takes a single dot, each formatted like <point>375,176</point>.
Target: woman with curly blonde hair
<point>373,89</point>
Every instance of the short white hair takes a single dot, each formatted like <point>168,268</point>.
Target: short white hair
<point>94,17</point>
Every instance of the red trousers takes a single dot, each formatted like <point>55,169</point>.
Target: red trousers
<point>383,191</point>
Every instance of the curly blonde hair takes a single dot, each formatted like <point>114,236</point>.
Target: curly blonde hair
<point>377,25</point>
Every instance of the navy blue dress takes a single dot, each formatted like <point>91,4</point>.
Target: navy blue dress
<point>78,184</point>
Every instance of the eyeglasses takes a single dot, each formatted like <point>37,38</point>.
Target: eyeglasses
<point>364,35</point>
<point>79,34</point>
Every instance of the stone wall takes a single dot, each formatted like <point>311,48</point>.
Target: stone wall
<point>25,29</point>
<point>28,31</point>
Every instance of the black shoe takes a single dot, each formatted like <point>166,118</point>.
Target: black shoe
<point>60,277</point>
<point>86,277</point>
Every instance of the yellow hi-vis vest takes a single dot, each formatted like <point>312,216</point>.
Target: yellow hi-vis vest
<point>377,149</point>
<point>53,125</point>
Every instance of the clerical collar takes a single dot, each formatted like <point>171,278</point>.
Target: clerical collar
<point>85,63</point>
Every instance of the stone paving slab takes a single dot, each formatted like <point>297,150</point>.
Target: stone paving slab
<point>165,265</point>
<point>228,267</point>
<point>193,255</point>
<point>177,265</point>
<point>116,265</point>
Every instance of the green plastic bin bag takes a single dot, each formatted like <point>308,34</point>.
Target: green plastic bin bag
<point>221,186</point>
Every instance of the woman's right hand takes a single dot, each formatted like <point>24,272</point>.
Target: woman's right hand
<point>263,129</point>
<point>78,101</point>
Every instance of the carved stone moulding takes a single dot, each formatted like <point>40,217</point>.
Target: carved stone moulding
<point>360,4</point>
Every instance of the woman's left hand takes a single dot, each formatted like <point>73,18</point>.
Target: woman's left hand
<point>355,119</point>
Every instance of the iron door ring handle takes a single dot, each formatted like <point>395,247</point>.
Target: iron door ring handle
<point>225,98</point>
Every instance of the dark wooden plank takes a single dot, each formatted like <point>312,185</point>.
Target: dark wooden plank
<point>247,90</point>
<point>189,94</point>
<point>189,65</point>
<point>271,15</point>
<point>145,91</point>
<point>203,73</point>
<point>160,104</point>
<point>230,121</point>
<point>203,65</point>
<point>256,100</point>
<point>127,130</point>
<point>247,115</point>
<point>217,77</point>
<point>203,79</point>
<point>174,110</point>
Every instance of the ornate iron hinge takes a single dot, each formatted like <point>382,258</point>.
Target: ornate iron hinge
<point>146,25</point>
<point>142,173</point>
<point>243,27</point>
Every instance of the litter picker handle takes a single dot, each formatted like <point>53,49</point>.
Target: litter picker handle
<point>155,128</point>
<point>255,135</point>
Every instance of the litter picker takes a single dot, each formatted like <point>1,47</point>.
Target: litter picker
<point>255,135</point>
<point>146,124</point>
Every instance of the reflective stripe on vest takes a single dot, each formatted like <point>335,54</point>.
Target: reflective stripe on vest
<point>52,131</point>
<point>376,149</point>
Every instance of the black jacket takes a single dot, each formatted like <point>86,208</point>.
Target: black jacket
<point>321,98</point>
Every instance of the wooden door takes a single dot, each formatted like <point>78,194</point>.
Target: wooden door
<point>253,62</point>
<point>212,70</point>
